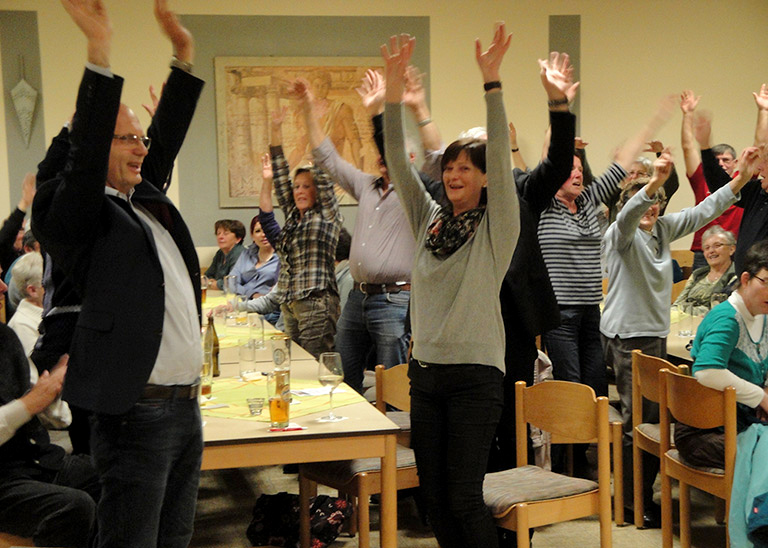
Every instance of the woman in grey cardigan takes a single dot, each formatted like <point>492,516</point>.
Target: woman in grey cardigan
<point>462,254</point>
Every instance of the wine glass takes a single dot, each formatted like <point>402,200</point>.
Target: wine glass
<point>330,373</point>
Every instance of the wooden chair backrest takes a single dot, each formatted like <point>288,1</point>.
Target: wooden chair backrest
<point>694,404</point>
<point>677,288</point>
<point>645,374</point>
<point>393,387</point>
<point>568,410</point>
<point>684,257</point>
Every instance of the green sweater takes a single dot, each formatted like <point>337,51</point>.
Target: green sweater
<point>455,310</point>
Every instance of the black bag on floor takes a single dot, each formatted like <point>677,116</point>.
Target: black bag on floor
<point>275,520</point>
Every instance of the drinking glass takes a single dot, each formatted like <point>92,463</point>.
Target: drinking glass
<point>241,314</point>
<point>247,355</point>
<point>330,373</point>
<point>206,377</point>
<point>230,294</point>
<point>256,323</point>
<point>279,398</point>
<point>281,351</point>
<point>685,324</point>
<point>203,287</point>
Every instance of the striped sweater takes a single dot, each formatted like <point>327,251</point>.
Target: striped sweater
<point>570,242</point>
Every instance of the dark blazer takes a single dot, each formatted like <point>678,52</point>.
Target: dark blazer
<point>106,251</point>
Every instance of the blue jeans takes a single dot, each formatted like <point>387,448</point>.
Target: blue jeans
<point>454,413</point>
<point>148,461</point>
<point>372,326</point>
<point>575,348</point>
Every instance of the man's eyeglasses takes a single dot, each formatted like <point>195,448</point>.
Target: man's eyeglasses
<point>133,140</point>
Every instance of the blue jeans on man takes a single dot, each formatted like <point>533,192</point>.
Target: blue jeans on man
<point>372,327</point>
<point>148,461</point>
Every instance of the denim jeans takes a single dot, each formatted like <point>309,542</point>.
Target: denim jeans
<point>372,326</point>
<point>575,348</point>
<point>148,461</point>
<point>619,352</point>
<point>454,412</point>
<point>311,322</point>
<point>61,512</point>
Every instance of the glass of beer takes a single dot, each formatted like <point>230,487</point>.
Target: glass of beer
<point>279,397</point>
<point>330,374</point>
<point>206,377</point>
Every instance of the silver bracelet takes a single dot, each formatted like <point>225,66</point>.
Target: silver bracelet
<point>182,65</point>
<point>424,122</point>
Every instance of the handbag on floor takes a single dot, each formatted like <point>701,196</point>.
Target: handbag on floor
<point>275,520</point>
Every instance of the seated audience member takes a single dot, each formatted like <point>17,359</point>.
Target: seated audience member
<point>258,266</point>
<point>44,493</point>
<point>716,162</point>
<point>28,276</point>
<point>229,237</point>
<point>718,247</point>
<point>636,312</point>
<point>306,245</point>
<point>731,349</point>
<point>12,231</point>
<point>697,125</point>
<point>28,245</point>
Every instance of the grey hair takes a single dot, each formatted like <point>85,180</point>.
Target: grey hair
<point>646,163</point>
<point>478,132</point>
<point>634,187</point>
<point>28,270</point>
<point>717,230</point>
<point>723,148</point>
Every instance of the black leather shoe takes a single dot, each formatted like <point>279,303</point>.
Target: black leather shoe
<point>651,516</point>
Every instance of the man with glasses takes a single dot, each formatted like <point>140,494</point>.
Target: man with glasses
<point>135,354</point>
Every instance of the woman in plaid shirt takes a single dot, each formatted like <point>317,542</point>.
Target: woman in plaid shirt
<point>306,246</point>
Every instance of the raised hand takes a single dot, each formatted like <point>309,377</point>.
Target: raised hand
<point>688,101</point>
<point>702,128</point>
<point>371,91</point>
<point>761,97</point>
<point>578,142</point>
<point>654,146</point>
<point>180,37</point>
<point>266,167</point>
<point>662,166</point>
<point>750,161</point>
<point>91,17</point>
<point>155,100</point>
<point>396,60</point>
<point>414,95</point>
<point>490,60</point>
<point>557,77</point>
<point>28,190</point>
<point>512,135</point>
<point>300,90</point>
<point>278,117</point>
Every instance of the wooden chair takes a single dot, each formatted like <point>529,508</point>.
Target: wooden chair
<point>361,478</point>
<point>645,436</point>
<point>528,496</point>
<point>691,403</point>
<point>677,288</point>
<point>8,540</point>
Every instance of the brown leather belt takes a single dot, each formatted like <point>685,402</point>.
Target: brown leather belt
<point>378,289</point>
<point>177,391</point>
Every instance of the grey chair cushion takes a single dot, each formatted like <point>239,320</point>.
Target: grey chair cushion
<point>342,471</point>
<point>674,454</point>
<point>614,415</point>
<point>653,431</point>
<point>401,419</point>
<point>501,490</point>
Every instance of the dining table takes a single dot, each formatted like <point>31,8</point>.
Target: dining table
<point>237,432</point>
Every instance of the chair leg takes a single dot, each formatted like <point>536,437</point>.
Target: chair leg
<point>719,510</point>
<point>618,475</point>
<point>523,536</point>
<point>685,515</point>
<point>666,508</point>
<point>353,529</point>
<point>363,514</point>
<point>637,483</point>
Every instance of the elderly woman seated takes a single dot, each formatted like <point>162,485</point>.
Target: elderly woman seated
<point>229,237</point>
<point>718,246</point>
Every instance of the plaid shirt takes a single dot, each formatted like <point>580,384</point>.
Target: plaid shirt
<point>307,244</point>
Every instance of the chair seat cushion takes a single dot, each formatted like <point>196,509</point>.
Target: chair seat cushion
<point>501,490</point>
<point>653,431</point>
<point>401,419</point>
<point>674,454</point>
<point>614,415</point>
<point>343,471</point>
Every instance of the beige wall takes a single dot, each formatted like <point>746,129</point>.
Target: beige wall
<point>633,51</point>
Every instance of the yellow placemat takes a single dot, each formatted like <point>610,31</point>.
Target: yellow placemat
<point>234,393</point>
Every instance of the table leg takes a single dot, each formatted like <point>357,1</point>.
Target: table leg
<point>305,492</point>
<point>389,493</point>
